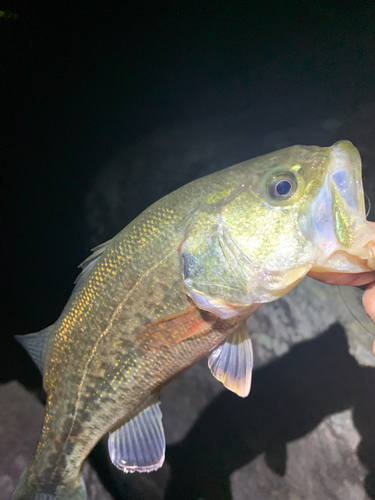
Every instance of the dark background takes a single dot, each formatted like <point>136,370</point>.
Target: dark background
<point>87,88</point>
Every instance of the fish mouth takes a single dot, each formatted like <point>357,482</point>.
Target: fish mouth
<point>338,216</point>
<point>348,262</point>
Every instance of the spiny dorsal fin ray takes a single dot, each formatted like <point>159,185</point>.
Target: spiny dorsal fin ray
<point>89,263</point>
<point>232,362</point>
<point>139,444</point>
<point>36,345</point>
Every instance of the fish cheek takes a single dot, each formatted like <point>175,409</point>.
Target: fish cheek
<point>214,272</point>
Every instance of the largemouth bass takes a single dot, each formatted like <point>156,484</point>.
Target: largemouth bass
<point>179,283</point>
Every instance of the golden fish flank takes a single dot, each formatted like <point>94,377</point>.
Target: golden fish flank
<point>178,283</point>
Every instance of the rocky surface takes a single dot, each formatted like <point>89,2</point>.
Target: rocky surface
<point>308,475</point>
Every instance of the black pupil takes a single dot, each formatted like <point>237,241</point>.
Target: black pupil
<point>283,188</point>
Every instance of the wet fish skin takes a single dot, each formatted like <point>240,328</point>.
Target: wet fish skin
<point>132,323</point>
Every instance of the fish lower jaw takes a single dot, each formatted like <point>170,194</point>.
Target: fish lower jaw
<point>366,255</point>
<point>371,258</point>
<point>371,262</point>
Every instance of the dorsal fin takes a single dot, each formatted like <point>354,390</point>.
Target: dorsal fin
<point>36,345</point>
<point>86,266</point>
<point>90,261</point>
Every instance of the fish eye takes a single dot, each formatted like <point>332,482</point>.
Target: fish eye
<point>282,187</point>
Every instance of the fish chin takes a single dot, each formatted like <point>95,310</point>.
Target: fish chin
<point>336,220</point>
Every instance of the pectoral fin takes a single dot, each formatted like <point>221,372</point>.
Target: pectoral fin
<point>174,329</point>
<point>139,444</point>
<point>232,362</point>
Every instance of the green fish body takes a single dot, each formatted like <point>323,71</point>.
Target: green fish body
<point>176,284</point>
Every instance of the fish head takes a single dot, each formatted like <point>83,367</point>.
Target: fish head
<point>259,227</point>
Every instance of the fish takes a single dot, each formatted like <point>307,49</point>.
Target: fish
<point>179,283</point>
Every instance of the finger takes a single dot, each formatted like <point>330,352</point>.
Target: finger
<point>344,279</point>
<point>368,301</point>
